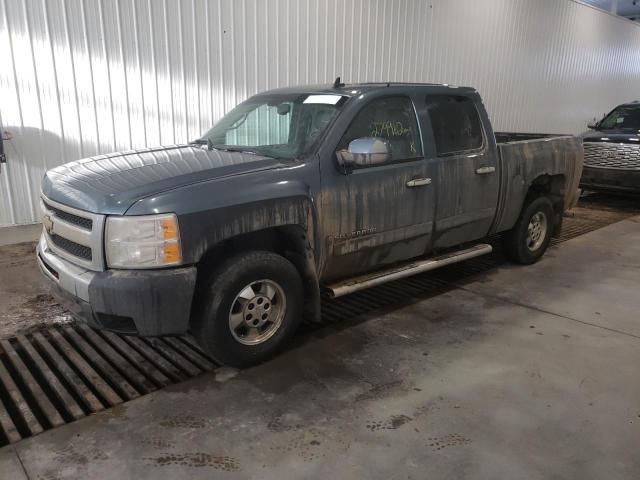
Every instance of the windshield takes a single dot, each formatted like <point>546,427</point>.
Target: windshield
<point>622,118</point>
<point>275,125</point>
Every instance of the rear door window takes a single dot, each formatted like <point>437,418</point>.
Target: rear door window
<point>455,123</point>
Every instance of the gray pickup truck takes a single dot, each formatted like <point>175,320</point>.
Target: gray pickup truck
<point>294,194</point>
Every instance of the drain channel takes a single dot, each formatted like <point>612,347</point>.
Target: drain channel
<point>60,374</point>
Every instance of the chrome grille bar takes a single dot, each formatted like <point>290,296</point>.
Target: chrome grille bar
<point>82,222</point>
<point>73,234</point>
<point>622,156</point>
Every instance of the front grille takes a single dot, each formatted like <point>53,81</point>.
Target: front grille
<point>612,155</point>
<point>71,247</point>
<point>75,235</point>
<point>81,222</point>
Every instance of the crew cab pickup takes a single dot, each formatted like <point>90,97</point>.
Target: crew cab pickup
<point>294,194</point>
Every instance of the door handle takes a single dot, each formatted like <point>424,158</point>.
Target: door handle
<point>418,182</point>
<point>485,170</point>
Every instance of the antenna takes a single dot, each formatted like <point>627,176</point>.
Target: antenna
<point>337,83</point>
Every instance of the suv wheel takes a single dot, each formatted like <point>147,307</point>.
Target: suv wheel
<point>251,308</point>
<point>527,241</point>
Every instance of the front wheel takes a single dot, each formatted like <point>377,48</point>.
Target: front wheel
<point>251,307</point>
<point>527,241</point>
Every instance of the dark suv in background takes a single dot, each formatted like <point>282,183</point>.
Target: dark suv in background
<point>612,151</point>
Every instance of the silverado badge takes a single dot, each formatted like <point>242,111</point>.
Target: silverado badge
<point>354,234</point>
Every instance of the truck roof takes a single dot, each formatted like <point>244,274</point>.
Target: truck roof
<point>357,88</point>
<point>635,103</point>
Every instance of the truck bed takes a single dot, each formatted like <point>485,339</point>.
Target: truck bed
<point>525,157</point>
<point>509,137</point>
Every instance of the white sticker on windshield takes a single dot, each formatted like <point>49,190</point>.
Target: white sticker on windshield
<point>324,99</point>
<point>620,120</point>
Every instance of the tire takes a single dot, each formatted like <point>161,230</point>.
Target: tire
<point>244,290</point>
<point>518,245</point>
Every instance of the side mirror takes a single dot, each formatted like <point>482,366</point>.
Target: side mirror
<point>364,152</point>
<point>592,125</point>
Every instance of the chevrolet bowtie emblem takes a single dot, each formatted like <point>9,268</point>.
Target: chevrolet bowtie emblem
<point>47,222</point>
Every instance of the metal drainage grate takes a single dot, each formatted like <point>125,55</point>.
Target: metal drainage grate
<point>584,220</point>
<point>58,375</point>
<point>61,374</point>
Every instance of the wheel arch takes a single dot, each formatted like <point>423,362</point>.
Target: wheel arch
<point>516,241</point>
<point>521,193</point>
<point>553,187</point>
<point>289,241</point>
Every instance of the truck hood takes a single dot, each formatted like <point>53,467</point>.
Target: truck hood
<point>612,136</point>
<point>110,184</point>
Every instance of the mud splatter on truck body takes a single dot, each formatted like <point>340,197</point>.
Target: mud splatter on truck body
<point>331,219</point>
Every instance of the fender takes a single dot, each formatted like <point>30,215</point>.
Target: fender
<point>214,211</point>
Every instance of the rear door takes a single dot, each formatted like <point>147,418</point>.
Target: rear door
<point>466,170</point>
<point>381,213</point>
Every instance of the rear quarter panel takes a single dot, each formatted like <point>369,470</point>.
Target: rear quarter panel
<point>523,162</point>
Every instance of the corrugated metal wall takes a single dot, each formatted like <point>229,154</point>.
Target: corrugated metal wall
<point>81,77</point>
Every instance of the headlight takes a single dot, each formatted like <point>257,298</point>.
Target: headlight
<point>147,241</point>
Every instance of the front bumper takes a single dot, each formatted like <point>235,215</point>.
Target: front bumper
<point>143,302</point>
<point>610,179</point>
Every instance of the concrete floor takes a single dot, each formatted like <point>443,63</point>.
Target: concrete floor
<point>522,373</point>
<point>25,301</point>
<point>20,233</point>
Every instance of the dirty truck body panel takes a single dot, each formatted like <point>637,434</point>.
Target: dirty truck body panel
<point>430,196</point>
<point>467,182</point>
<point>524,161</point>
<point>370,217</point>
<point>110,184</point>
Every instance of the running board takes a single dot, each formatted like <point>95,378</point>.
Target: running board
<point>383,276</point>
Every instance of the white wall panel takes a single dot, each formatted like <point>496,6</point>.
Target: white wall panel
<point>81,77</point>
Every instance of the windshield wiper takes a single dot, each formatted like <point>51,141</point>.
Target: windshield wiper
<point>226,148</point>
<point>203,141</point>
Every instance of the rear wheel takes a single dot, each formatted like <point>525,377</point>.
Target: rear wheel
<point>527,241</point>
<point>251,307</point>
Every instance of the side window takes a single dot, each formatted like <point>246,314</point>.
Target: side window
<point>455,122</point>
<point>392,119</point>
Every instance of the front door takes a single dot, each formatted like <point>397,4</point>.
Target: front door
<point>466,170</point>
<point>380,213</point>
